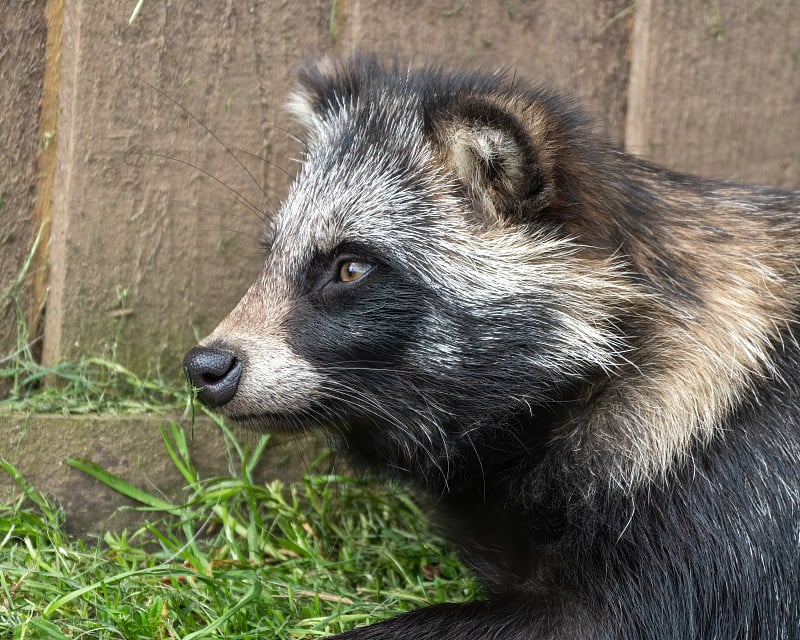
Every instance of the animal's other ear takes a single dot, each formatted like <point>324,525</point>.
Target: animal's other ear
<point>494,158</point>
<point>325,84</point>
<point>307,99</point>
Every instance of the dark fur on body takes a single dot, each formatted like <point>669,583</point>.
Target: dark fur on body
<point>586,360</point>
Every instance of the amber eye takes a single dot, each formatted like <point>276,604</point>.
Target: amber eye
<point>351,271</point>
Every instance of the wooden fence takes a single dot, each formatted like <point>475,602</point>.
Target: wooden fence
<point>144,242</point>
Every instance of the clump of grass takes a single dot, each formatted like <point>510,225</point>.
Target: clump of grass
<point>236,560</point>
<point>90,385</point>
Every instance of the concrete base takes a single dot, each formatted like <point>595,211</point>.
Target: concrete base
<point>131,447</point>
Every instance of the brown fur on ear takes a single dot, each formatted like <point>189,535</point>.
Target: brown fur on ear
<point>494,158</point>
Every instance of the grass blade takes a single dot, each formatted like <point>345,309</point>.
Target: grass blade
<point>118,484</point>
<point>156,572</point>
<point>251,595</point>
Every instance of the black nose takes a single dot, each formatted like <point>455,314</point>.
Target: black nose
<point>215,373</point>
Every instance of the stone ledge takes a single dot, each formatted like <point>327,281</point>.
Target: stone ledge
<point>131,447</point>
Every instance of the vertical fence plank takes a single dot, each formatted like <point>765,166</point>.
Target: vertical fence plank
<point>46,163</point>
<point>719,89</point>
<point>22,48</point>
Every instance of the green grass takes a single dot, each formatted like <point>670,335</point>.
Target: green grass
<point>236,560</point>
<point>91,385</point>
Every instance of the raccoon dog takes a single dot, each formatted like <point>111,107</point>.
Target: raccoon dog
<point>589,362</point>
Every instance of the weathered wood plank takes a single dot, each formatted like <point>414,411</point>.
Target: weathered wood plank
<point>715,89</point>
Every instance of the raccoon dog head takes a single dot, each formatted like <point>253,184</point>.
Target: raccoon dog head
<point>417,288</point>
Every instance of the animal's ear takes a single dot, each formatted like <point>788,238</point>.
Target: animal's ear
<point>494,158</point>
<point>307,100</point>
<point>323,85</point>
